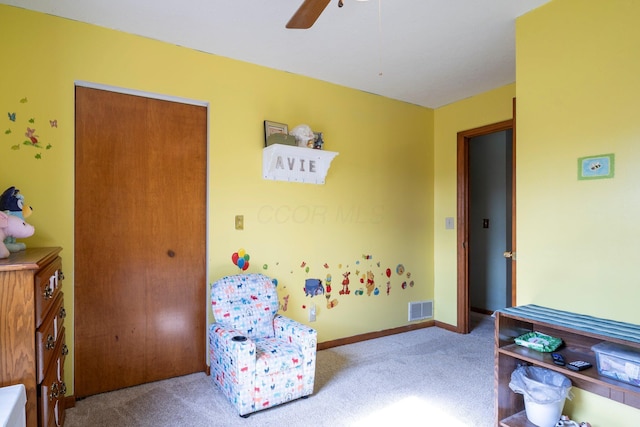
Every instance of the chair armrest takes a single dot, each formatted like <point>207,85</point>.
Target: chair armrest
<point>297,333</point>
<point>307,338</point>
<point>237,356</point>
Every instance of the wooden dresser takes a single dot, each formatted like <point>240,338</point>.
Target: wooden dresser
<point>32,335</point>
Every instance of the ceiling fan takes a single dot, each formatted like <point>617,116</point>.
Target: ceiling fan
<point>308,13</point>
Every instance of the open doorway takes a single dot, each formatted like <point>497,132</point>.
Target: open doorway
<point>490,221</point>
<point>476,222</point>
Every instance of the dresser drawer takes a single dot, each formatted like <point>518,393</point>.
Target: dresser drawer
<point>51,406</point>
<point>63,350</point>
<point>47,336</point>
<point>48,281</point>
<point>53,388</point>
<point>59,313</point>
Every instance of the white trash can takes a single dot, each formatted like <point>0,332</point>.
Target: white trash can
<point>543,414</point>
<point>544,393</point>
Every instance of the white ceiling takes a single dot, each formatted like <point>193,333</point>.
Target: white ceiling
<point>425,52</point>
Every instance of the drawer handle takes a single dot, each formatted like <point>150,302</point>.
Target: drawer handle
<point>48,293</point>
<point>60,275</point>
<point>63,389</point>
<point>53,393</point>
<point>63,313</point>
<point>65,350</point>
<point>51,342</point>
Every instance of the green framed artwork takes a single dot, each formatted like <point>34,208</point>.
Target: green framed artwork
<point>596,167</point>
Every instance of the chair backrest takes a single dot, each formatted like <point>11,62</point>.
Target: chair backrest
<point>246,303</point>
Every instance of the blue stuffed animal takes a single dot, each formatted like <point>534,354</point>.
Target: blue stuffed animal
<point>12,203</point>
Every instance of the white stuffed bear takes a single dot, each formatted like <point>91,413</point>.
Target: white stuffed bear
<point>304,136</point>
<point>12,226</point>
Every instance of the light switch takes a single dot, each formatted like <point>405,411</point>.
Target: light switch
<point>448,223</point>
<point>239,222</point>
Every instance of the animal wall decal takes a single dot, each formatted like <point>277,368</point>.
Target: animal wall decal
<point>19,118</point>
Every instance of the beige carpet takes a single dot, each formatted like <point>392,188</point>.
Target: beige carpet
<point>428,377</point>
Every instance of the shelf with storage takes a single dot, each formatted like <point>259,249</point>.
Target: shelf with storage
<point>578,336</point>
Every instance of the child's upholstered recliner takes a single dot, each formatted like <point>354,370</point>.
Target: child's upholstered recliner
<point>257,358</point>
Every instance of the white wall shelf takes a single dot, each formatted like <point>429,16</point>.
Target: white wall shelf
<point>296,164</point>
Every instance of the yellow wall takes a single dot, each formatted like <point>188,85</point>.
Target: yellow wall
<point>578,94</point>
<point>484,109</point>
<point>377,201</point>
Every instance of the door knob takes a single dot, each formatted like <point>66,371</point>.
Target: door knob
<point>171,253</point>
<point>509,254</point>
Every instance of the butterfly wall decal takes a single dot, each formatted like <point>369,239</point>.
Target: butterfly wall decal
<point>32,139</point>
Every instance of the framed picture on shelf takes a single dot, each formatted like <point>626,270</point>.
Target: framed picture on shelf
<point>271,128</point>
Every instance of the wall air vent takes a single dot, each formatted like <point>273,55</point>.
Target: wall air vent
<point>419,310</point>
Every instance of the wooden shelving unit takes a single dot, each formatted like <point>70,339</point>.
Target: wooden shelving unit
<point>577,346</point>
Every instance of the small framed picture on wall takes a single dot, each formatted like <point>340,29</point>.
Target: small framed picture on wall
<point>596,167</point>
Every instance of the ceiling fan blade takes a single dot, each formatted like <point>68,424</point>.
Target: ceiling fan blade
<point>307,14</point>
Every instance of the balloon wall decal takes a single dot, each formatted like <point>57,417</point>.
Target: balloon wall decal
<point>241,259</point>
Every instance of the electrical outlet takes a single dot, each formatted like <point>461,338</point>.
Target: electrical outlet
<point>239,222</point>
<point>312,313</point>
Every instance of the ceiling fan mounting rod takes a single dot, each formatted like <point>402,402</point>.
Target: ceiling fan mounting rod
<point>308,13</point>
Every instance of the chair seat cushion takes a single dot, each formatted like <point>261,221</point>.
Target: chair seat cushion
<point>274,355</point>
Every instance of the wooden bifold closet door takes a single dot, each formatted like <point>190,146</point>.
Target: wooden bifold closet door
<point>140,240</point>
